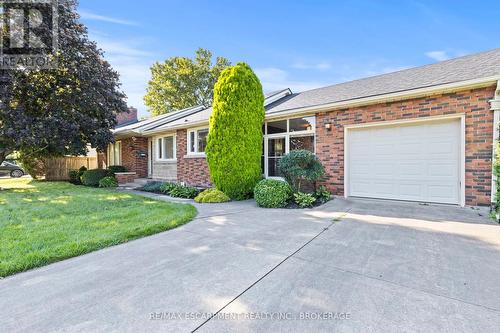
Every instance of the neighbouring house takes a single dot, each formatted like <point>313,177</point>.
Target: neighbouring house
<point>421,134</point>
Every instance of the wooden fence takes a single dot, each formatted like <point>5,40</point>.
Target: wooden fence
<point>58,168</point>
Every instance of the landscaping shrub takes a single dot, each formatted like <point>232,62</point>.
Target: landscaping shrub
<point>117,168</point>
<point>304,200</point>
<point>167,187</point>
<point>108,182</point>
<point>181,191</point>
<point>234,145</point>
<point>322,194</point>
<point>212,195</point>
<point>153,186</point>
<point>92,177</point>
<point>74,177</point>
<point>80,172</point>
<point>272,193</point>
<point>300,166</point>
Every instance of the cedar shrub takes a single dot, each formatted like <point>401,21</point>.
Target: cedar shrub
<point>234,145</point>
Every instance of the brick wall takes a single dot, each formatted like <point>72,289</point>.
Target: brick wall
<point>191,170</point>
<point>132,149</point>
<point>478,135</point>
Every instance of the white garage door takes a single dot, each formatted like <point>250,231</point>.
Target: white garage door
<point>417,161</point>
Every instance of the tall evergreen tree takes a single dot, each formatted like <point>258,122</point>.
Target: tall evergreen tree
<point>234,147</point>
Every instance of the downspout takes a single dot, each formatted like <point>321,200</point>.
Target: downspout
<point>495,107</point>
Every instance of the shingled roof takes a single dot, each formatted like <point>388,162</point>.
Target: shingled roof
<point>475,66</point>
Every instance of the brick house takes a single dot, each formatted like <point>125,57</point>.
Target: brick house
<point>423,134</point>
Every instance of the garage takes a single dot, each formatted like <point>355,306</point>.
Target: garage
<point>410,160</point>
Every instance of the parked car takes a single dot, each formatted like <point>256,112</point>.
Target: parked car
<point>12,169</point>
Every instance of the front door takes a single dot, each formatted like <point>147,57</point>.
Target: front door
<point>276,148</point>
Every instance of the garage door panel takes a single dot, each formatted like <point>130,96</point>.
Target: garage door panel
<point>382,169</point>
<point>440,193</point>
<point>383,188</point>
<point>410,191</point>
<point>417,161</point>
<point>409,148</point>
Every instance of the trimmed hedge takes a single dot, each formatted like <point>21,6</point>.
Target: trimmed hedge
<point>234,146</point>
<point>272,193</point>
<point>109,181</point>
<point>152,186</point>
<point>212,195</point>
<point>299,166</point>
<point>76,175</point>
<point>117,168</point>
<point>92,177</point>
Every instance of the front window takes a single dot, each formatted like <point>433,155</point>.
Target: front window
<point>197,141</point>
<point>115,153</point>
<point>165,148</point>
<point>283,136</point>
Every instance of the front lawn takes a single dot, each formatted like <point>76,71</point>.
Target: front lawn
<point>44,222</point>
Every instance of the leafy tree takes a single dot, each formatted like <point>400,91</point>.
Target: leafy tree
<point>234,145</point>
<point>53,112</point>
<point>299,166</point>
<point>181,82</point>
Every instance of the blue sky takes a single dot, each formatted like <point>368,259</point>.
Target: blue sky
<point>297,44</point>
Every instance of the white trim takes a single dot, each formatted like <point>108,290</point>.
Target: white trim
<point>194,130</point>
<point>111,152</point>
<point>156,148</point>
<point>460,116</point>
<point>286,135</point>
<point>277,97</point>
<point>405,121</point>
<point>390,97</point>
<point>495,107</point>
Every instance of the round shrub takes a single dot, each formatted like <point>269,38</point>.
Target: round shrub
<point>272,193</point>
<point>74,177</point>
<point>234,145</point>
<point>108,182</point>
<point>212,195</point>
<point>299,166</point>
<point>92,177</point>
<point>117,168</point>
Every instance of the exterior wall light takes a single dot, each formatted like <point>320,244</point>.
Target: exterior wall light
<point>328,126</point>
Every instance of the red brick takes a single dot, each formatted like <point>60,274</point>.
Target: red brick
<point>478,135</point>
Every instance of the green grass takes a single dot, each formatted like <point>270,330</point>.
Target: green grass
<point>44,222</point>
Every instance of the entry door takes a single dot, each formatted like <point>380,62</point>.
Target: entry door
<point>276,149</point>
<point>417,161</point>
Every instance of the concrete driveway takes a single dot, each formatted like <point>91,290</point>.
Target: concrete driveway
<point>349,266</point>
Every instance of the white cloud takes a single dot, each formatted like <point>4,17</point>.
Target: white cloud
<point>321,66</point>
<point>438,55</point>
<point>276,79</point>
<point>87,15</point>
